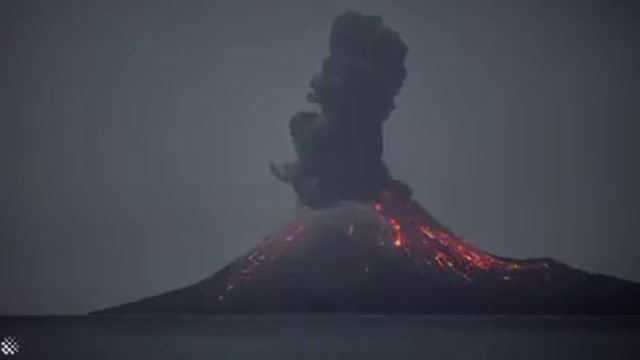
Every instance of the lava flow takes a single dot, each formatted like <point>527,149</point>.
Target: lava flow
<point>428,243</point>
<point>410,229</point>
<point>271,249</point>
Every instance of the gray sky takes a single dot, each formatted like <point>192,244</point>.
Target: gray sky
<point>135,135</point>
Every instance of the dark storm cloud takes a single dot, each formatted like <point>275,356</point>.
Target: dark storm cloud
<point>135,136</point>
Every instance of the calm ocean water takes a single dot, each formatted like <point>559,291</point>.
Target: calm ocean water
<point>323,337</point>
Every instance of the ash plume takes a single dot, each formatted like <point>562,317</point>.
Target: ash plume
<point>339,149</point>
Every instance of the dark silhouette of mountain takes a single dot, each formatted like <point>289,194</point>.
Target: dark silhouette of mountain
<point>387,257</point>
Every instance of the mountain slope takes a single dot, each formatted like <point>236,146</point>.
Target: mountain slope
<point>390,256</point>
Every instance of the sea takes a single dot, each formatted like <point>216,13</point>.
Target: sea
<point>319,337</point>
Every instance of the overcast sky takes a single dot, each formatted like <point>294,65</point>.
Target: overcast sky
<point>135,135</point>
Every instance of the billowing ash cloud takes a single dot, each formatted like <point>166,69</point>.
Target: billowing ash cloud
<point>340,148</point>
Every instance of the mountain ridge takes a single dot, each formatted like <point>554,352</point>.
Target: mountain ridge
<point>389,257</point>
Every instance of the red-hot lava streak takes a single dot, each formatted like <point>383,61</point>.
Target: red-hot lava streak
<point>427,243</point>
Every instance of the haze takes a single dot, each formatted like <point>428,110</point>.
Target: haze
<point>135,136</point>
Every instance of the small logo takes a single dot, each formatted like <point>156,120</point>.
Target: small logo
<point>9,345</point>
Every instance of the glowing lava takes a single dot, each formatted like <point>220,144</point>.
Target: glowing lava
<point>271,249</point>
<point>426,242</point>
<point>397,232</point>
<point>409,228</point>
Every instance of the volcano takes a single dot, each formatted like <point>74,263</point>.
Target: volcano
<point>359,242</point>
<point>388,257</point>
